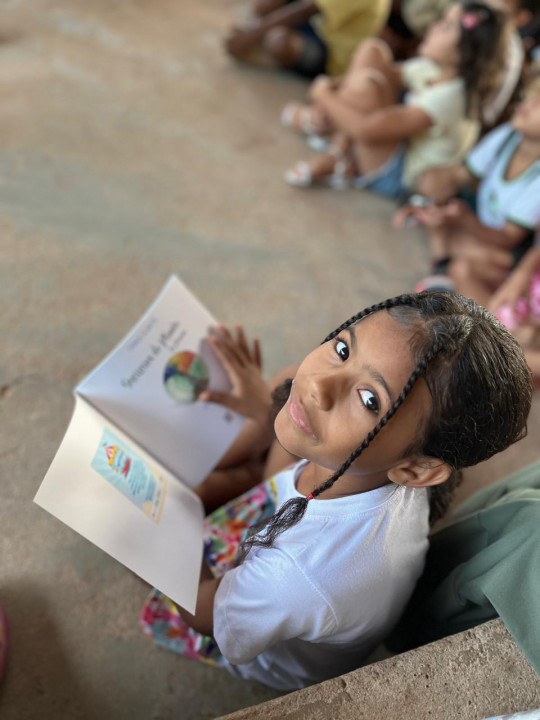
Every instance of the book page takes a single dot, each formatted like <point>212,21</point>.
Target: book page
<point>106,488</point>
<point>149,384</point>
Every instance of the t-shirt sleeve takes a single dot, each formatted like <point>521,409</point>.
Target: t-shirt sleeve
<point>337,13</point>
<point>266,600</point>
<point>442,103</point>
<point>479,160</point>
<point>525,210</point>
<point>417,72</point>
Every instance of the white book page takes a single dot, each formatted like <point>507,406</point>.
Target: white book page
<point>148,386</point>
<point>106,488</point>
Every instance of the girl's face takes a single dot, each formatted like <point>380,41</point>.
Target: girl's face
<point>442,39</point>
<point>526,118</point>
<point>342,390</point>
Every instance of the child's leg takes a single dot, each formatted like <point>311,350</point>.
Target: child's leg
<point>296,48</point>
<point>376,93</point>
<point>260,8</point>
<point>478,271</point>
<point>374,58</point>
<point>335,168</point>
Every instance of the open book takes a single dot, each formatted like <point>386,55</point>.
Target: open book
<point>139,440</point>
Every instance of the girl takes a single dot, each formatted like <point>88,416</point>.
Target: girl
<point>385,145</point>
<point>474,252</point>
<point>322,581</point>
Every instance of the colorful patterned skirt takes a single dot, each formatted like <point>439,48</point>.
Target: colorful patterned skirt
<point>224,530</point>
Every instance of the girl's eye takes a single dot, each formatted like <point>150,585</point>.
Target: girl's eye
<point>342,349</point>
<point>370,400</point>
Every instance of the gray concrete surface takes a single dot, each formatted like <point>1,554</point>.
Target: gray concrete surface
<point>424,684</point>
<point>131,148</point>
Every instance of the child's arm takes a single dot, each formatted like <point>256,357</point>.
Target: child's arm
<point>394,123</point>
<point>459,216</point>
<point>442,183</point>
<point>203,620</point>
<point>518,283</point>
<point>242,40</point>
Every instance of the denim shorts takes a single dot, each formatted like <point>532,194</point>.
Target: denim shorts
<point>387,180</point>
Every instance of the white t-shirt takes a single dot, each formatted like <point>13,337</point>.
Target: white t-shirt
<point>328,591</point>
<point>444,143</point>
<point>500,200</point>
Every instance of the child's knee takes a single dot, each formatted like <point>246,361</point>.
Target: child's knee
<point>283,44</point>
<point>372,52</point>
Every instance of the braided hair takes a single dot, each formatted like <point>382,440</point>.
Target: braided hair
<point>480,387</point>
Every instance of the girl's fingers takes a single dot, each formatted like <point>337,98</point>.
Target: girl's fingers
<point>257,353</point>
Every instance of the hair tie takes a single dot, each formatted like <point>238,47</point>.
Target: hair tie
<point>470,19</point>
<point>310,496</point>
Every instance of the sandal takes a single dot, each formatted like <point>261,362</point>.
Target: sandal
<point>4,642</point>
<point>303,118</point>
<point>341,177</point>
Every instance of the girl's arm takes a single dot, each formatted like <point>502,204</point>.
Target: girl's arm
<point>203,620</point>
<point>241,40</point>
<point>442,183</point>
<point>506,238</point>
<point>518,283</point>
<point>394,123</point>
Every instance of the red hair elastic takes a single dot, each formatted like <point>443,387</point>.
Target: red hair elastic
<point>310,496</point>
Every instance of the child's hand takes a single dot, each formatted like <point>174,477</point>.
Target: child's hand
<point>250,395</point>
<point>454,213</point>
<point>240,41</point>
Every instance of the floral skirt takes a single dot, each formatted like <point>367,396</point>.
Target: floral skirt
<point>224,530</point>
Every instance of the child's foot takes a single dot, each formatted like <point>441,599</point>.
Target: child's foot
<point>4,642</point>
<point>306,119</point>
<point>333,170</point>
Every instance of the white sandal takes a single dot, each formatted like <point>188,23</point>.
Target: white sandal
<point>297,116</point>
<point>301,175</point>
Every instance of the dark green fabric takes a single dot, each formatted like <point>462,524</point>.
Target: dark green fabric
<point>485,564</point>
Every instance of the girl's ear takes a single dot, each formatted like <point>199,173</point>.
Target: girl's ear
<point>419,472</point>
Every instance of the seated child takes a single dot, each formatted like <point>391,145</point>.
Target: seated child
<point>476,251</point>
<point>384,144</point>
<point>517,305</point>
<point>379,419</point>
<point>308,37</point>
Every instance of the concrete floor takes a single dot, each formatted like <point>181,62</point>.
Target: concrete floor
<point>131,148</point>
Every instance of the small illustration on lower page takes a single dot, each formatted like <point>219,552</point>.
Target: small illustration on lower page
<point>121,467</point>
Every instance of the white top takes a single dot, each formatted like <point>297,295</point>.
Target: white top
<point>499,200</point>
<point>328,591</point>
<point>444,142</point>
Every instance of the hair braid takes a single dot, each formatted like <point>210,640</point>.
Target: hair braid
<point>385,305</point>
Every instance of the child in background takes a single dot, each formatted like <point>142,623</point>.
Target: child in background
<point>308,37</point>
<point>474,253</point>
<point>384,413</point>
<point>517,305</point>
<point>383,144</point>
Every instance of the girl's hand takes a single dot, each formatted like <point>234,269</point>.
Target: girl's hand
<point>250,395</point>
<point>454,213</point>
<point>240,41</point>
